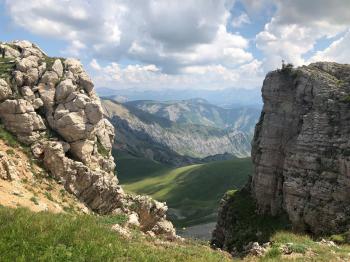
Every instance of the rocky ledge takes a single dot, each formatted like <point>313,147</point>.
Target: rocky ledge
<point>50,105</point>
<point>301,150</point>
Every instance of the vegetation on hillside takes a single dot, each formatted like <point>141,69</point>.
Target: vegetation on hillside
<point>44,236</point>
<point>194,191</point>
<point>301,248</point>
<point>244,225</point>
<point>6,67</point>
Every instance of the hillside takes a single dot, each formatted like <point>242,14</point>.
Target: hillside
<point>154,137</point>
<point>60,237</point>
<point>25,183</point>
<point>46,236</point>
<point>201,112</point>
<point>191,192</point>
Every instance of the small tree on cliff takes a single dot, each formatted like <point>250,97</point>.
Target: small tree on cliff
<point>286,67</point>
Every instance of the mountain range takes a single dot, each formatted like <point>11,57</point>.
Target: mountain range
<point>227,98</point>
<point>181,132</point>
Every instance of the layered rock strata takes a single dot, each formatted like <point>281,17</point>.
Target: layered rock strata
<point>301,147</point>
<point>301,150</point>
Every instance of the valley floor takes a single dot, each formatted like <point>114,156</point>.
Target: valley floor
<point>192,192</point>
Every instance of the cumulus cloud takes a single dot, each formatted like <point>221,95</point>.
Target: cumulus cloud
<point>187,43</point>
<point>241,20</point>
<point>338,51</point>
<point>196,77</point>
<point>169,34</point>
<point>296,27</point>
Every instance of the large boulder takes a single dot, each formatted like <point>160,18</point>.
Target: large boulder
<point>5,90</point>
<point>20,118</point>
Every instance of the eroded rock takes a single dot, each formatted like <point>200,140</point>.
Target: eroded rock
<point>5,90</point>
<point>301,151</point>
<point>53,108</point>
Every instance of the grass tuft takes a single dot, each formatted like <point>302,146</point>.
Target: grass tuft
<point>34,200</point>
<point>8,138</point>
<point>101,150</point>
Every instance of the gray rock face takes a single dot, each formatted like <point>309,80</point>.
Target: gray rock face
<point>20,118</point>
<point>301,157</point>
<point>5,90</point>
<point>301,147</point>
<point>50,104</point>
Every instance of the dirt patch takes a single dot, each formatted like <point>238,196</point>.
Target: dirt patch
<point>26,184</point>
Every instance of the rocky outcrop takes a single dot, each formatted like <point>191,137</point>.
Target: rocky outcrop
<point>50,104</point>
<point>301,150</point>
<point>301,147</point>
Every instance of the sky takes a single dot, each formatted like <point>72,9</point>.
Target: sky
<point>192,44</point>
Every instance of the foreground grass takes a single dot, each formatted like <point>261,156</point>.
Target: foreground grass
<point>27,236</point>
<point>244,225</point>
<point>303,248</point>
<point>195,190</point>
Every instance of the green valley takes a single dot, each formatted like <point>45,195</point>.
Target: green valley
<point>192,192</point>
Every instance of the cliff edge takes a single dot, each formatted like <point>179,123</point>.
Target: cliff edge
<point>300,152</point>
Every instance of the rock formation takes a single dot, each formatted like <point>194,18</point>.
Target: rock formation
<point>301,150</point>
<point>50,105</point>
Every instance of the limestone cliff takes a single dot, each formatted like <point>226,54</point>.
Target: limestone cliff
<point>50,105</point>
<point>301,149</point>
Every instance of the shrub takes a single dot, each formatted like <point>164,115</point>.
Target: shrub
<point>298,248</point>
<point>346,99</point>
<point>101,150</point>
<point>49,196</point>
<point>287,68</point>
<point>248,226</point>
<point>34,200</point>
<point>273,253</point>
<point>8,138</point>
<point>10,152</point>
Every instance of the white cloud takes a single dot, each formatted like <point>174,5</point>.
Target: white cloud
<point>95,65</point>
<point>195,77</point>
<point>296,27</point>
<point>241,20</point>
<point>186,43</point>
<point>74,49</point>
<point>338,51</point>
<point>169,34</point>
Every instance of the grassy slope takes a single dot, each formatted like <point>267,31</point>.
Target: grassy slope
<point>27,236</point>
<point>132,169</point>
<point>245,225</point>
<point>303,249</point>
<point>194,190</point>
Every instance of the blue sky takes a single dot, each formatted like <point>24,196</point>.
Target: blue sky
<point>197,44</point>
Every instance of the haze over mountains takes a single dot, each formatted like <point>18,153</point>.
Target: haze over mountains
<point>178,132</point>
<point>230,97</point>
